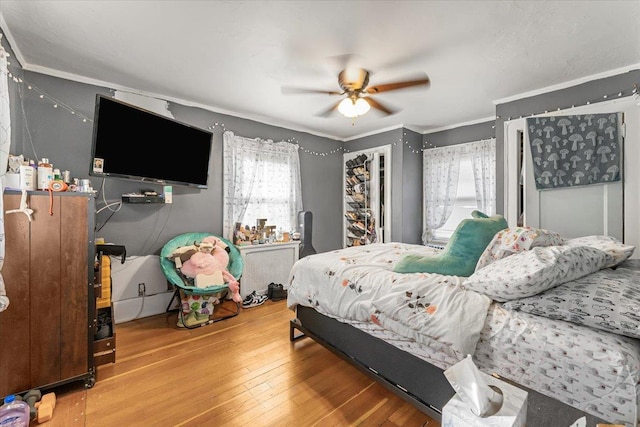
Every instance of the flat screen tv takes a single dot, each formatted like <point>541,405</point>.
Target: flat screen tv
<point>132,143</point>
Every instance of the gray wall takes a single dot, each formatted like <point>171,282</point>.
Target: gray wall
<point>39,130</point>
<point>411,226</point>
<point>459,135</point>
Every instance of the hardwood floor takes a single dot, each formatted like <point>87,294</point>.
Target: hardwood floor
<point>242,371</point>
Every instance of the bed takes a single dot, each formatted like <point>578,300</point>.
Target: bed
<point>558,317</point>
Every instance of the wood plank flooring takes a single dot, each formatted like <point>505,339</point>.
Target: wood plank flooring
<point>242,371</point>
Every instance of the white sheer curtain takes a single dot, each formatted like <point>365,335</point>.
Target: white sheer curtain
<point>5,143</point>
<point>441,167</point>
<point>483,157</point>
<point>261,180</point>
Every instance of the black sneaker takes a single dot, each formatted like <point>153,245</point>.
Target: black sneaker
<point>253,300</point>
<point>278,293</point>
<point>272,286</point>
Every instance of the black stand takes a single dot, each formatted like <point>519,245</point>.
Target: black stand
<point>305,226</point>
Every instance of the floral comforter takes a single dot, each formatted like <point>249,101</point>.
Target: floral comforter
<point>359,284</point>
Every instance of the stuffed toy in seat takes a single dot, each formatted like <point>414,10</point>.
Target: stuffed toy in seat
<point>460,256</point>
<point>207,264</point>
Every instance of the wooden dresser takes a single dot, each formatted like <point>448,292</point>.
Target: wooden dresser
<point>46,333</point>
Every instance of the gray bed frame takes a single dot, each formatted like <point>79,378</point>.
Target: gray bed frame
<point>413,379</point>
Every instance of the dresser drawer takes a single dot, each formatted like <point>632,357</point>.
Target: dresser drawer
<point>107,344</point>
<point>104,358</point>
<point>104,344</point>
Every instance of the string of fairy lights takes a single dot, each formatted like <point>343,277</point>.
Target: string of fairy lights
<point>291,140</point>
<point>55,103</point>
<point>425,145</point>
<point>633,92</point>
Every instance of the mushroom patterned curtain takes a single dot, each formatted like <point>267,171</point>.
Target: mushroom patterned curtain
<point>569,151</point>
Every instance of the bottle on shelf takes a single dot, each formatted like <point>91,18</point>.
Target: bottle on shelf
<point>14,413</point>
<point>45,174</point>
<point>28,177</point>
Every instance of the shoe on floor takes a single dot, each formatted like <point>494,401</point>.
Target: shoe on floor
<point>253,300</point>
<point>270,289</point>
<point>273,288</point>
<point>279,294</point>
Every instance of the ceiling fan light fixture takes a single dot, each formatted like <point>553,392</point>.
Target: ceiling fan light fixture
<point>353,107</point>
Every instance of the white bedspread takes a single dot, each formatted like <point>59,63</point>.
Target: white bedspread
<point>358,284</point>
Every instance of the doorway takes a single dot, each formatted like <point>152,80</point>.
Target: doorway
<point>604,209</point>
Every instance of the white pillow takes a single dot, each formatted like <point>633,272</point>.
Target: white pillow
<point>514,240</point>
<point>531,272</point>
<point>617,250</point>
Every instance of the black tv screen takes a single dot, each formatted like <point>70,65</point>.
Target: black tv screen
<point>132,143</point>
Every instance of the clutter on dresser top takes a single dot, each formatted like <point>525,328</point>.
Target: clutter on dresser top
<point>31,175</point>
<point>261,233</point>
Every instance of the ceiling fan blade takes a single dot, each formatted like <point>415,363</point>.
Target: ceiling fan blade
<point>375,104</point>
<point>290,90</point>
<point>328,111</point>
<point>398,85</point>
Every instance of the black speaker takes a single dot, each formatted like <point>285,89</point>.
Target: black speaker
<point>305,226</point>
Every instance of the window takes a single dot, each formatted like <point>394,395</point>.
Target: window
<point>261,181</point>
<point>465,201</point>
<point>457,180</point>
<point>268,191</point>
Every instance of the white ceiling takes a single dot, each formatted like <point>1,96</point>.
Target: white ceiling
<point>235,56</point>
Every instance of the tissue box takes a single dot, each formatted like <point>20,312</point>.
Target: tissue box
<point>11,181</point>
<point>513,412</point>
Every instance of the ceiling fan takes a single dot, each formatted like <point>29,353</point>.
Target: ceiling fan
<point>358,100</point>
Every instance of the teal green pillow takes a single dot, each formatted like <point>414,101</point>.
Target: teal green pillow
<point>460,256</point>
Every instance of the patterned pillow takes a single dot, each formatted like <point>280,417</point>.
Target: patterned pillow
<point>618,251</point>
<point>607,299</point>
<point>513,240</point>
<point>530,272</point>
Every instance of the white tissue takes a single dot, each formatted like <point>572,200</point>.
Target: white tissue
<point>580,422</point>
<point>467,381</point>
